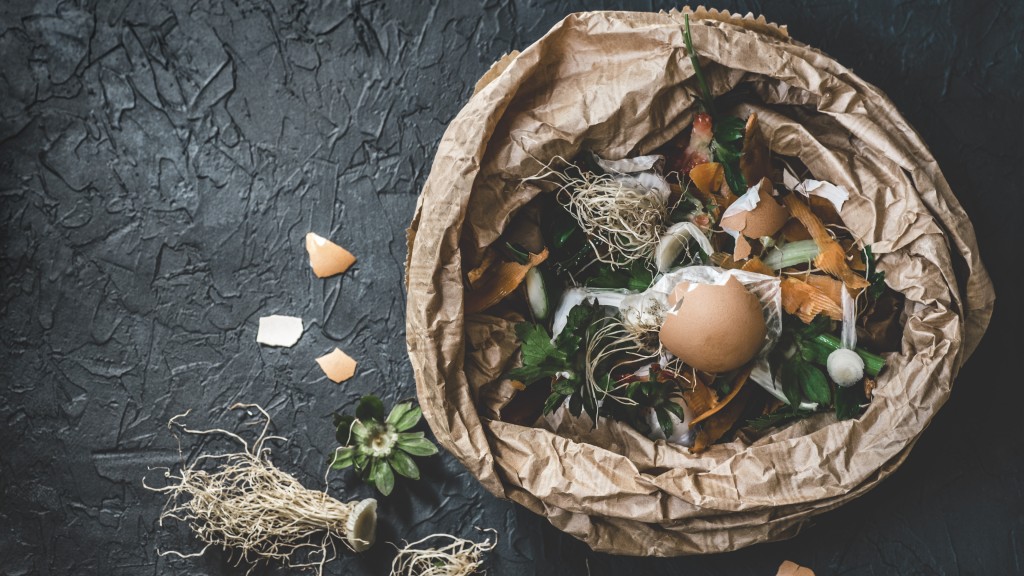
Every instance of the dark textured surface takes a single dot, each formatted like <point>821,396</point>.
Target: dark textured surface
<point>159,167</point>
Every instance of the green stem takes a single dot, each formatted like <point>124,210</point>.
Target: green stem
<point>873,363</point>
<point>708,101</point>
<point>791,254</point>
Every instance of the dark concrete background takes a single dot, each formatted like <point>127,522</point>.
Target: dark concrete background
<point>159,166</point>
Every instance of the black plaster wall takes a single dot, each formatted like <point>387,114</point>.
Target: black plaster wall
<point>160,164</point>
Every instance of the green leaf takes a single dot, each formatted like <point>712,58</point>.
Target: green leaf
<point>359,430</point>
<point>576,323</point>
<point>416,446</point>
<point>706,100</point>
<point>536,344</point>
<point>370,408</point>
<point>407,416</point>
<point>636,277</point>
<point>343,431</point>
<point>664,421</point>
<point>731,166</point>
<point>676,410</point>
<point>553,402</point>
<point>563,386</point>
<point>729,129</point>
<point>541,359</point>
<point>343,458</point>
<point>382,476</point>
<point>814,384</point>
<point>790,376</point>
<point>404,465</point>
<point>848,401</point>
<point>515,252</point>
<point>562,236</point>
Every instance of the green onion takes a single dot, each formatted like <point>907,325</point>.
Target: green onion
<point>706,99</point>
<point>791,254</point>
<point>873,363</point>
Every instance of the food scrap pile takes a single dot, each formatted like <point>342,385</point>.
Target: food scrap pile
<point>704,292</point>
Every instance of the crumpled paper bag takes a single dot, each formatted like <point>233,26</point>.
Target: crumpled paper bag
<point>620,84</point>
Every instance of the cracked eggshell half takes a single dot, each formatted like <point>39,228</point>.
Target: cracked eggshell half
<point>714,328</point>
<point>756,214</point>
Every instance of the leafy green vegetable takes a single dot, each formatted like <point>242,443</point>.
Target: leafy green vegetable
<point>379,447</point>
<point>541,358</point>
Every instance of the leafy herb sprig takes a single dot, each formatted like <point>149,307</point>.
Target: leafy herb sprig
<point>379,447</point>
<point>562,360</point>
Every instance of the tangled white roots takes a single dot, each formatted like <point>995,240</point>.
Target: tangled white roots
<point>457,558</point>
<point>244,504</point>
<point>626,220</point>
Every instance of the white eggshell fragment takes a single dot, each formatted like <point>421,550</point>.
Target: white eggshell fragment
<point>837,195</point>
<point>277,330</point>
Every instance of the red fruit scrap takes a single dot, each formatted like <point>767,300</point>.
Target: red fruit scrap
<point>698,151</point>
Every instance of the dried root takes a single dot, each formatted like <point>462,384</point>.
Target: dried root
<point>626,220</point>
<point>241,502</point>
<point>459,557</point>
<point>616,339</point>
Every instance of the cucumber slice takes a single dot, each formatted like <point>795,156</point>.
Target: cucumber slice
<point>537,294</point>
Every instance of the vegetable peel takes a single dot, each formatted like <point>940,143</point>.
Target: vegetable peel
<point>806,302</point>
<point>831,258</point>
<point>499,281</point>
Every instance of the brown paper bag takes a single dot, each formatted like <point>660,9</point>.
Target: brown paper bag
<point>621,84</point>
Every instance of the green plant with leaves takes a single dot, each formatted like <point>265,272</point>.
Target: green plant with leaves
<point>379,447</point>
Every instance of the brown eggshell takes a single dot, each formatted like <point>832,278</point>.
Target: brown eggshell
<point>327,258</point>
<point>716,328</point>
<point>337,365</point>
<point>767,218</point>
<point>677,293</point>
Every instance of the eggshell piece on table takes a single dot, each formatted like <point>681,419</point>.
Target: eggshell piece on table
<point>337,365</point>
<point>715,328</point>
<point>282,331</point>
<point>327,258</point>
